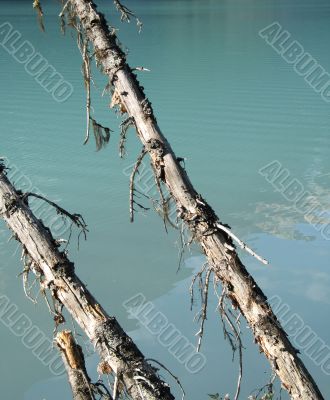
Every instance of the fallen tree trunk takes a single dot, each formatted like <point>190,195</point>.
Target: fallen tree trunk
<point>193,209</point>
<point>74,362</point>
<point>57,274</point>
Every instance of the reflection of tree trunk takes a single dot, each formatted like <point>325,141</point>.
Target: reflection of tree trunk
<point>57,275</point>
<point>74,362</point>
<point>194,211</point>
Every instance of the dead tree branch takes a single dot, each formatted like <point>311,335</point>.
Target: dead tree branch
<point>37,6</point>
<point>241,244</point>
<point>195,212</point>
<point>126,14</point>
<point>123,135</point>
<point>57,274</point>
<point>132,190</point>
<point>236,341</point>
<point>172,375</point>
<point>74,362</point>
<point>203,313</point>
<point>86,70</point>
<point>76,219</point>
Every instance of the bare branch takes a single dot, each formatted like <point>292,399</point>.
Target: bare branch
<point>67,290</point>
<point>131,186</point>
<point>195,212</point>
<point>237,336</point>
<point>241,244</point>
<point>76,219</point>
<point>37,6</point>
<point>203,315</point>
<point>124,126</point>
<point>126,14</point>
<point>172,375</point>
<point>62,13</point>
<point>87,81</point>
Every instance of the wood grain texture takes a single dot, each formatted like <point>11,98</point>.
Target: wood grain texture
<point>74,362</point>
<point>195,212</point>
<point>58,275</point>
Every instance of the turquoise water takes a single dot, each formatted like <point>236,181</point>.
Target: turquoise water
<point>229,104</point>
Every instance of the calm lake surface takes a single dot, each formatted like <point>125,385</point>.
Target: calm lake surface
<point>228,103</point>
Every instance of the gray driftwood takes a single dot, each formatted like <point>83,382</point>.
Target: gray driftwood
<point>57,274</point>
<point>194,210</point>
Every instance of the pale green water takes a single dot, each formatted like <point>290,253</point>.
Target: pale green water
<point>228,103</point>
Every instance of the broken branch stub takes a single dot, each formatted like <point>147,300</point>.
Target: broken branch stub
<point>74,362</point>
<point>195,212</point>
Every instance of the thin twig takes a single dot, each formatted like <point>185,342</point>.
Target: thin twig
<point>127,14</point>
<point>241,244</point>
<point>161,194</point>
<point>105,394</point>
<point>75,219</point>
<point>183,243</point>
<point>191,290</point>
<point>27,262</point>
<point>123,134</point>
<point>115,388</point>
<point>268,386</point>
<point>203,315</point>
<point>131,186</point>
<point>172,375</point>
<point>141,69</point>
<point>87,81</point>
<point>237,334</point>
<point>37,6</point>
<point>61,14</point>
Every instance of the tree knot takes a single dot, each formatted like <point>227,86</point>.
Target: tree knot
<point>63,269</point>
<point>11,204</point>
<point>147,108</point>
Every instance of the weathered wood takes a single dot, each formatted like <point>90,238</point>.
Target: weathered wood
<point>74,362</point>
<point>195,212</point>
<point>57,274</point>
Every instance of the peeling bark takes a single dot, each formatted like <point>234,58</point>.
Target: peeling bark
<point>74,362</point>
<point>195,212</point>
<point>57,274</point>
